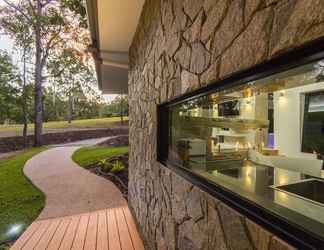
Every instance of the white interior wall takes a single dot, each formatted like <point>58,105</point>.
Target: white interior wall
<point>288,119</point>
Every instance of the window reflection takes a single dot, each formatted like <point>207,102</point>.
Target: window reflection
<point>257,137</point>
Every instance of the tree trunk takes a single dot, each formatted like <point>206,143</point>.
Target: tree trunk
<point>38,80</point>
<point>24,104</point>
<point>121,110</point>
<point>70,111</point>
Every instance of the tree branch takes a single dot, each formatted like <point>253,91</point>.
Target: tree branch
<point>19,10</point>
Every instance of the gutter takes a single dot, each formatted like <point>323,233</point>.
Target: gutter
<point>92,18</point>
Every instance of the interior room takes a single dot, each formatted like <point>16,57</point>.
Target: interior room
<point>263,138</point>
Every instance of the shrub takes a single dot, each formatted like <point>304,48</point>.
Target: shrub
<point>105,165</point>
<point>117,167</point>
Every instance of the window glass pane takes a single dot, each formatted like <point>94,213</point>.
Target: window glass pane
<point>313,137</point>
<point>263,140</point>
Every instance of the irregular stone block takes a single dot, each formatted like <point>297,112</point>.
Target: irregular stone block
<point>235,234</point>
<point>213,18</point>
<point>200,58</point>
<point>304,22</point>
<point>188,81</point>
<point>251,47</point>
<point>231,27</point>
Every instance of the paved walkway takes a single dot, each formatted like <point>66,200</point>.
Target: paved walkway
<point>69,189</point>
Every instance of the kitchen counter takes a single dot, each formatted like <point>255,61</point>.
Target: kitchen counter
<point>261,185</point>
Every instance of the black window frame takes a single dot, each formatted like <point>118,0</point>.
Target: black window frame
<point>286,230</point>
<point>307,97</point>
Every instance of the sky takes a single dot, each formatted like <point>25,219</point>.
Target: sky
<point>7,44</point>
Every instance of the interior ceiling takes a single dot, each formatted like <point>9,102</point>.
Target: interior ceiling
<point>117,22</point>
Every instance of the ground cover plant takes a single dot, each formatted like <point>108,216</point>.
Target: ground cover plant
<point>110,162</point>
<point>20,200</point>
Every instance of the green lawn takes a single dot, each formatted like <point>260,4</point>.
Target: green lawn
<point>87,123</point>
<point>89,155</point>
<point>20,201</point>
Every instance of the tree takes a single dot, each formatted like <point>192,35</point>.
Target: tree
<point>9,87</point>
<point>117,107</point>
<point>75,76</point>
<point>53,29</point>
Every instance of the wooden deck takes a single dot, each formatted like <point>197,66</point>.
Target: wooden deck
<point>111,229</point>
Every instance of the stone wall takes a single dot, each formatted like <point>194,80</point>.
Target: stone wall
<point>8,144</point>
<point>180,46</point>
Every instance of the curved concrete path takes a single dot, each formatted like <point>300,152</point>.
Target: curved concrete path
<point>69,189</point>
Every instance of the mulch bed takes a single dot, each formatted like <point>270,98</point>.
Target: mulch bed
<point>119,179</point>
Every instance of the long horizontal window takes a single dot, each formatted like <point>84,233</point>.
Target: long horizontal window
<point>262,140</point>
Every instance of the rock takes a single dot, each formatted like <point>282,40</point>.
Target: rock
<point>250,8</point>
<point>192,7</point>
<point>192,235</point>
<point>188,81</point>
<point>259,236</point>
<point>211,74</point>
<point>193,205</point>
<point>200,58</point>
<point>277,244</point>
<point>172,43</point>
<point>215,232</point>
<point>167,15</point>
<point>180,17</point>
<point>250,48</point>
<point>192,34</point>
<point>295,23</point>
<point>183,55</point>
<point>214,17</point>
<point>231,26</point>
<point>237,237</point>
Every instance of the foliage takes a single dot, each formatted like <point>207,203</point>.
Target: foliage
<point>113,167</point>
<point>105,165</point>
<point>10,91</point>
<point>77,7</point>
<point>67,71</point>
<point>115,107</point>
<point>87,156</point>
<point>117,167</point>
<point>49,31</point>
<point>20,201</point>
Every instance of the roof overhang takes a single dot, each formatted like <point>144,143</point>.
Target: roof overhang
<point>112,25</point>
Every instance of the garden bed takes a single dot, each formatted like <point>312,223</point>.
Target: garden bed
<point>120,179</point>
<point>109,159</point>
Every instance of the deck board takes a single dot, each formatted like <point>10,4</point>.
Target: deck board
<point>113,234</point>
<point>33,241</point>
<point>26,235</point>
<point>102,237</point>
<point>136,239</point>
<point>91,236</point>
<point>109,229</point>
<point>68,239</point>
<point>58,236</point>
<point>126,241</point>
<point>46,238</point>
<point>81,232</point>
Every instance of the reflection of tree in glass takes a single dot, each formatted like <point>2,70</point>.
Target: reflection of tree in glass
<point>205,102</point>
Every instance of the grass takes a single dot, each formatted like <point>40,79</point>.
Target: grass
<point>87,123</point>
<point>20,200</point>
<point>87,156</point>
